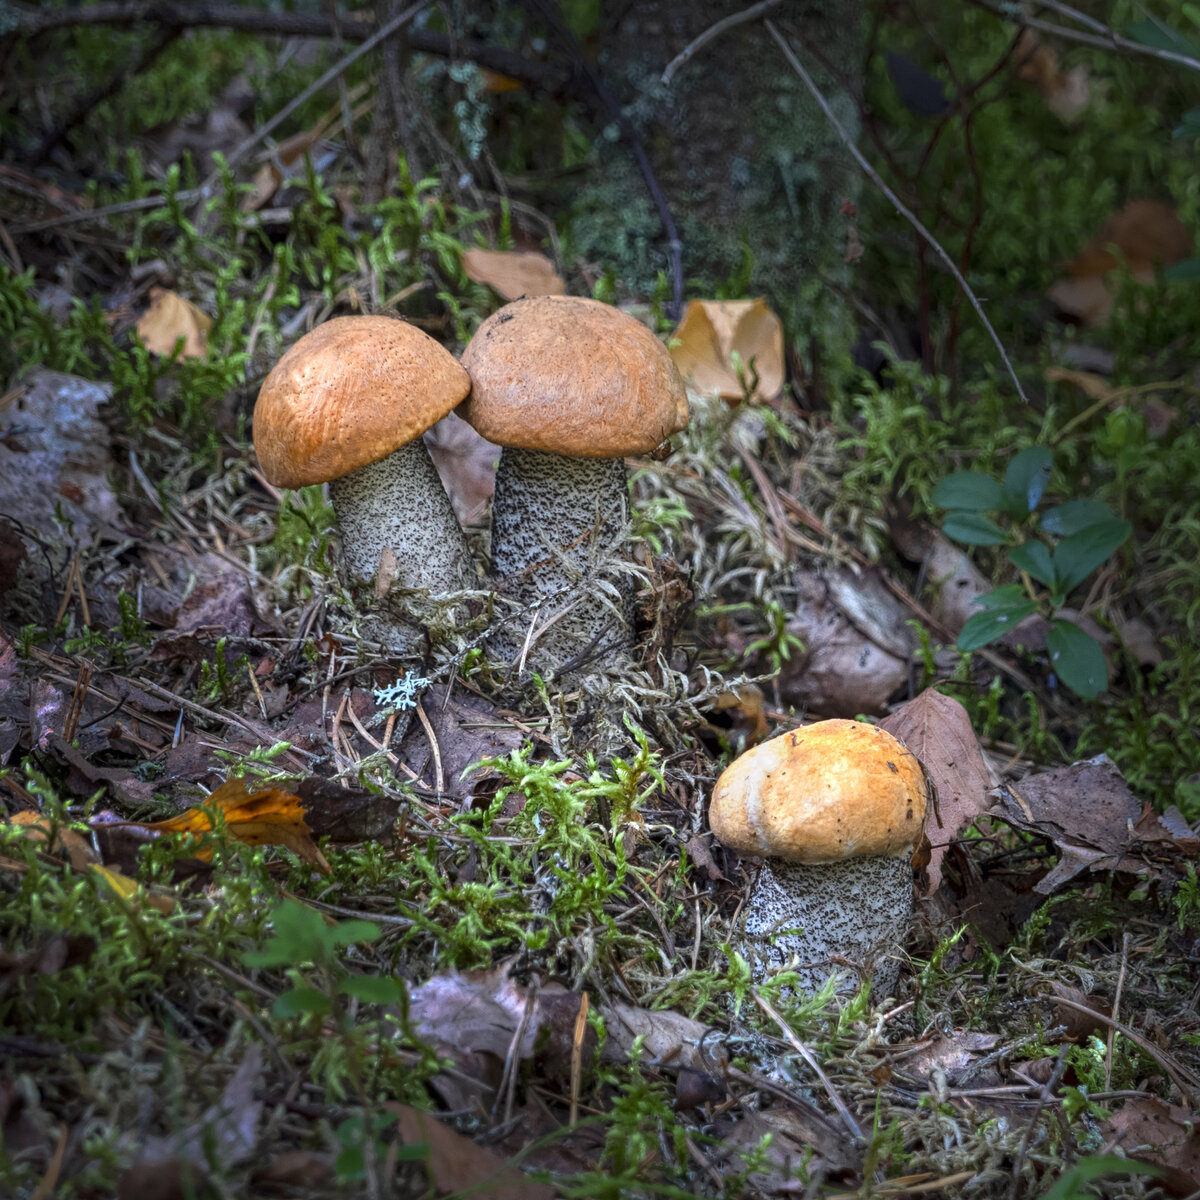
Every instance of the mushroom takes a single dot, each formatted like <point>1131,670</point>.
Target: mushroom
<point>836,809</point>
<point>568,387</point>
<point>347,405</point>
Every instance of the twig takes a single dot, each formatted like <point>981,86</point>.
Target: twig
<point>166,36</point>
<point>33,20</point>
<point>336,71</point>
<point>897,203</point>
<point>1116,1012</point>
<point>806,1054</point>
<point>549,13</point>
<point>1044,1099</point>
<point>1183,1079</point>
<point>1108,40</point>
<point>712,32</point>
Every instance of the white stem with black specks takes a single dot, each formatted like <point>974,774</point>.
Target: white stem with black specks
<point>803,917</point>
<point>399,502</point>
<point>554,519</point>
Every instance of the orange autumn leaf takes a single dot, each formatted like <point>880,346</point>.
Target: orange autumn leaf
<point>37,827</point>
<point>268,818</point>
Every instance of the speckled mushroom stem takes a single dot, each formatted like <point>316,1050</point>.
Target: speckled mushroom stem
<point>857,912</point>
<point>554,520</point>
<point>399,502</point>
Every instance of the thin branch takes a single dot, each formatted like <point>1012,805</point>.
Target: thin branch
<point>1108,40</point>
<point>897,203</point>
<point>339,68</point>
<point>548,11</point>
<point>246,19</point>
<point>714,31</point>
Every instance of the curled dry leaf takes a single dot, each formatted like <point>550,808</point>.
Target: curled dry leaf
<point>169,318</point>
<point>268,818</point>
<point>227,1133</point>
<point>1089,812</point>
<point>856,644</point>
<point>716,335</point>
<point>466,463</point>
<point>1164,1135</point>
<point>514,273</point>
<point>938,731</point>
<point>455,1164</point>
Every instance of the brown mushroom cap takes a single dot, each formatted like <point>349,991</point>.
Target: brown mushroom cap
<point>822,793</point>
<point>571,376</point>
<point>349,393</point>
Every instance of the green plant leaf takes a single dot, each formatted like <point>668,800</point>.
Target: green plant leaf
<point>1074,516</point>
<point>1072,1184</point>
<point>1002,599</point>
<point>1189,126</point>
<point>974,529</point>
<point>301,1000</point>
<point>1026,479</point>
<point>374,989</point>
<point>1034,557</point>
<point>1161,37</point>
<point>1077,556</point>
<point>1187,271</point>
<point>347,933</point>
<point>986,627</point>
<point>970,490</point>
<point>1077,659</point>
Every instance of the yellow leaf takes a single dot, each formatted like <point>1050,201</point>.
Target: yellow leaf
<point>169,318</point>
<point>715,335</point>
<point>268,818</point>
<point>133,892</point>
<point>513,273</point>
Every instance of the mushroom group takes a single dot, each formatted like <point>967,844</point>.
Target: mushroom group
<point>347,405</point>
<point>568,387</point>
<point>835,809</point>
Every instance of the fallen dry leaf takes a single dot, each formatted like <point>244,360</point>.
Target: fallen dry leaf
<point>856,644</point>
<point>39,828</point>
<point>1094,386</point>
<point>713,332</point>
<point>466,463</point>
<point>955,1055</point>
<point>938,731</point>
<point>227,1131</point>
<point>1089,812</point>
<point>1162,1134</point>
<point>456,1164</point>
<point>268,818</point>
<point>1145,234</point>
<point>1067,93</point>
<point>169,318</point>
<point>670,1041</point>
<point>132,892</point>
<point>60,952</point>
<point>513,273</point>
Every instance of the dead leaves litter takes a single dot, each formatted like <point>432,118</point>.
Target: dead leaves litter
<point>171,318</point>
<point>730,348</point>
<point>271,817</point>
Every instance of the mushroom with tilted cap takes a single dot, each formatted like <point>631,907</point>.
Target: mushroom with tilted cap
<point>347,405</point>
<point>835,809</point>
<point>568,387</point>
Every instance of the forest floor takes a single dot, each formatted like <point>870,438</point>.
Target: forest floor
<point>281,915</point>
